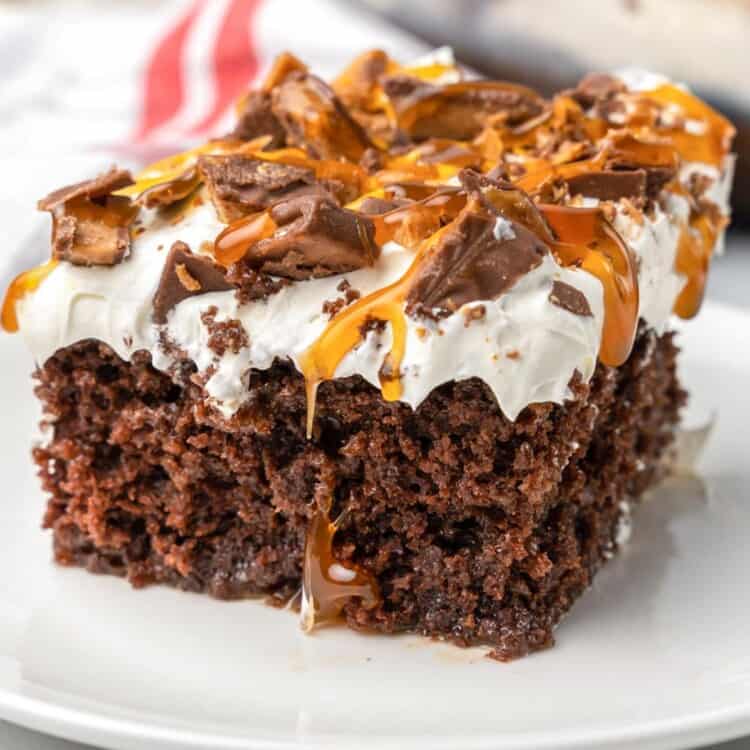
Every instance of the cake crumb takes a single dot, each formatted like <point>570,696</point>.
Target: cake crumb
<point>474,313</point>
<point>225,335</point>
<point>332,308</point>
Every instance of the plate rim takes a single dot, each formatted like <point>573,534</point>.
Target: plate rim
<point>88,725</point>
<point>120,734</point>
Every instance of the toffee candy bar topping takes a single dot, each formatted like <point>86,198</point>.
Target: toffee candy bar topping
<point>489,233</point>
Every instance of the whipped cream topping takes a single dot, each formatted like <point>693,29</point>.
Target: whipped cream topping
<point>522,345</point>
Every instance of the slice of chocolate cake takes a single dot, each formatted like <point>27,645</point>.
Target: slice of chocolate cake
<point>398,346</point>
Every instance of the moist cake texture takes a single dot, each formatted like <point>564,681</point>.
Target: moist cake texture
<point>466,525</point>
<point>395,349</point>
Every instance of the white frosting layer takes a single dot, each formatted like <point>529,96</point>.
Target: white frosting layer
<point>524,347</point>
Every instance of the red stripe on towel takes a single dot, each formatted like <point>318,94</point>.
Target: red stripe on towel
<point>164,81</point>
<point>235,61</point>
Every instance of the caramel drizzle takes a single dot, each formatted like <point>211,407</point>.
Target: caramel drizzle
<point>440,159</point>
<point>413,223</point>
<point>434,162</point>
<point>327,583</point>
<point>623,146</point>
<point>233,242</point>
<point>179,168</point>
<point>697,242</point>
<point>710,147</point>
<point>579,237</point>
<point>585,239</point>
<point>25,283</point>
<point>345,331</point>
<point>112,211</point>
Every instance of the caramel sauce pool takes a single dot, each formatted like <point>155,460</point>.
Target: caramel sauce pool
<point>328,584</point>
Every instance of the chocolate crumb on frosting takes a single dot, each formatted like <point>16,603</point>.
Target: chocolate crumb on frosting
<point>252,285</point>
<point>472,261</point>
<point>332,308</point>
<point>90,227</point>
<point>239,185</point>
<point>474,313</point>
<point>316,237</point>
<point>185,274</point>
<point>570,299</point>
<point>225,335</point>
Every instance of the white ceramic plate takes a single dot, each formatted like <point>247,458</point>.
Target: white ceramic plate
<point>656,655</point>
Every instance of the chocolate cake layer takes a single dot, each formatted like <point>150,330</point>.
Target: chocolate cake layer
<point>476,528</point>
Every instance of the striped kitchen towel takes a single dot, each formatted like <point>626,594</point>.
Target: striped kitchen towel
<point>86,84</point>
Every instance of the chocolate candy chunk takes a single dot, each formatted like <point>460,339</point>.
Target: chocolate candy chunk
<point>609,185</point>
<point>315,119</point>
<point>481,256</point>
<point>372,160</point>
<point>256,119</point>
<point>457,111</point>
<point>454,153</point>
<point>656,176</point>
<point>660,165</point>
<point>506,199</point>
<point>89,240</point>
<point>356,84</point>
<point>405,91</point>
<point>239,185</point>
<point>100,186</point>
<point>597,87</point>
<point>166,193</point>
<point>185,275</point>
<point>284,65</point>
<point>90,226</point>
<point>570,299</point>
<point>315,237</point>
<point>373,206</point>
